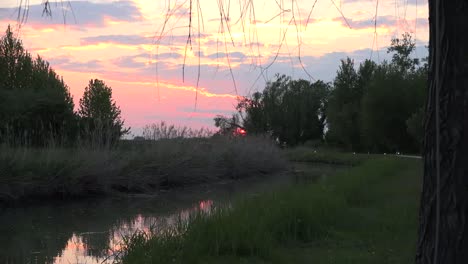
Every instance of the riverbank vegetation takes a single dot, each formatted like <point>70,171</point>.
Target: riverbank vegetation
<point>134,167</point>
<point>363,215</point>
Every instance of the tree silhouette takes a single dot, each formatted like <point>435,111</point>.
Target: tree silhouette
<point>100,114</point>
<point>36,107</point>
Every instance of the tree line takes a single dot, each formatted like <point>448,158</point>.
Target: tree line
<point>37,109</point>
<point>374,107</point>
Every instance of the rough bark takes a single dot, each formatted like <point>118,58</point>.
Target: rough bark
<point>445,239</point>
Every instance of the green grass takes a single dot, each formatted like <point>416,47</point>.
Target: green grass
<point>143,167</point>
<point>366,214</point>
<point>306,154</point>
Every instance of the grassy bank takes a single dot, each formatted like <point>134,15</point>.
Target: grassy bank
<point>366,214</point>
<point>138,167</point>
<point>306,154</point>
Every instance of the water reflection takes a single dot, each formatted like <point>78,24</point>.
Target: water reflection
<point>87,231</point>
<point>99,247</point>
<point>91,230</point>
<point>83,232</point>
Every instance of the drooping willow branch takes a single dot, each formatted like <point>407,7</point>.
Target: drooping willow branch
<point>288,13</point>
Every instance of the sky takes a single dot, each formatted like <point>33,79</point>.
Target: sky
<point>142,49</point>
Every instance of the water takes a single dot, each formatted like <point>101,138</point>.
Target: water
<point>91,231</point>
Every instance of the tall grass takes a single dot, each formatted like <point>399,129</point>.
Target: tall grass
<point>364,215</point>
<point>136,167</point>
<point>76,135</point>
<point>163,130</point>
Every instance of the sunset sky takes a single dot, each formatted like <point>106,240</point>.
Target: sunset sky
<point>129,46</point>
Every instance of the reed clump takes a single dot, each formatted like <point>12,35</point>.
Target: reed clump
<point>132,166</point>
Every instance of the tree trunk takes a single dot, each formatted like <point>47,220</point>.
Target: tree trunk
<point>443,230</point>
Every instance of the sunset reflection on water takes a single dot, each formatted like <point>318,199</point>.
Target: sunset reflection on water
<point>78,250</point>
<point>92,230</point>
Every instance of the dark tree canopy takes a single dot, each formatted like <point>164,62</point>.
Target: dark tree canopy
<point>101,117</point>
<point>344,106</point>
<point>35,104</point>
<point>369,109</point>
<point>372,108</point>
<point>291,111</point>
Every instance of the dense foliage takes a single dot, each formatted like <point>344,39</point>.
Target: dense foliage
<point>100,115</point>
<point>370,108</point>
<point>291,111</point>
<point>35,103</point>
<point>376,108</point>
<point>37,109</point>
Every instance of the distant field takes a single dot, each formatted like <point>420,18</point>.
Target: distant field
<point>305,154</point>
<point>365,214</point>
